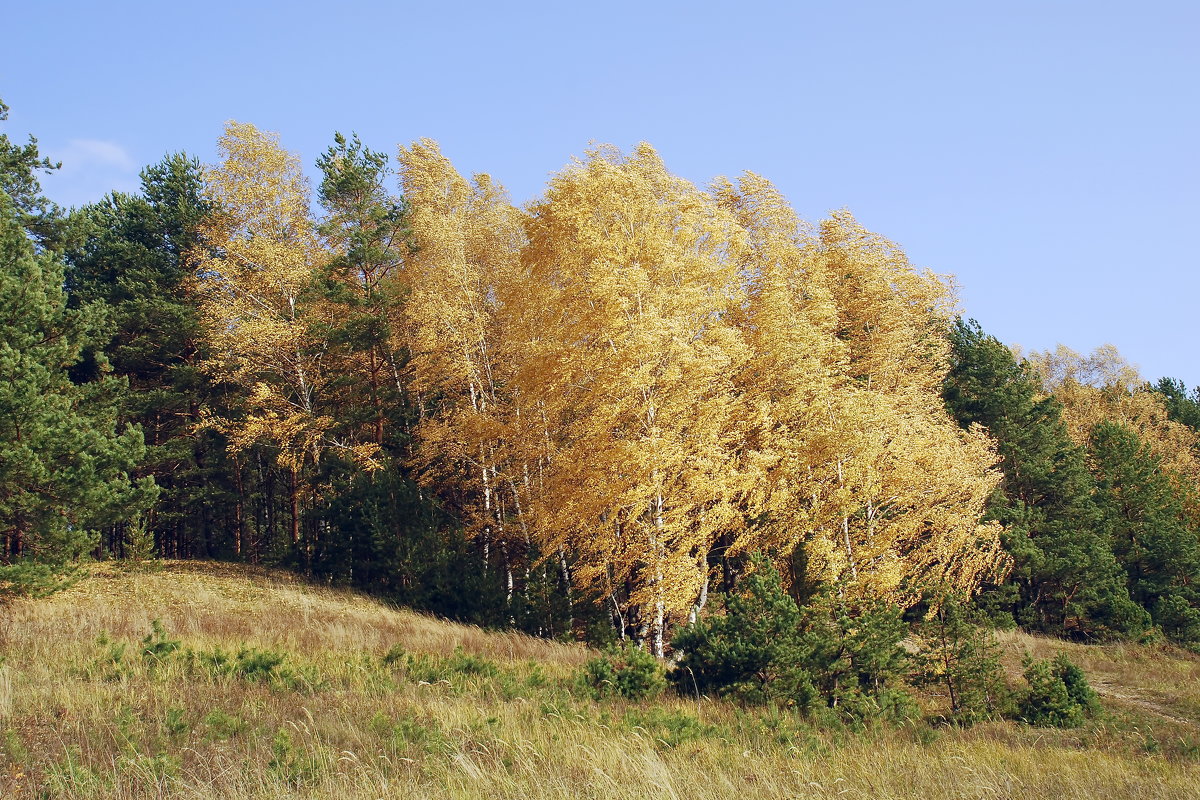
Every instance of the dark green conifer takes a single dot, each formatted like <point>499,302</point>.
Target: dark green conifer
<point>1143,509</point>
<point>828,657</point>
<point>65,460</point>
<point>961,656</point>
<point>1182,406</point>
<point>131,253</point>
<point>1065,578</point>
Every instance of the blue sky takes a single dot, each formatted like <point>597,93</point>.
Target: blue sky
<point>1043,152</point>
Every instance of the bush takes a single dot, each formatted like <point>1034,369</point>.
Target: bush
<point>1059,695</point>
<point>434,669</point>
<point>828,655</point>
<point>624,671</point>
<point>752,652</point>
<point>1078,688</point>
<point>252,664</point>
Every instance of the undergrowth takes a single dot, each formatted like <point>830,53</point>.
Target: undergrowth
<point>203,704</point>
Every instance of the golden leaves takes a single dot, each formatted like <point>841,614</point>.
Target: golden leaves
<point>260,316</point>
<point>659,364</point>
<point>627,371</point>
<point>857,462</point>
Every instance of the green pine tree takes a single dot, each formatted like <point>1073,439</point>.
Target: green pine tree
<point>1065,578</point>
<point>64,459</point>
<point>827,657</point>
<point>961,656</point>
<point>369,232</point>
<point>1059,695</point>
<point>751,652</point>
<point>1182,406</point>
<point>19,168</point>
<point>130,254</point>
<point>1149,529</point>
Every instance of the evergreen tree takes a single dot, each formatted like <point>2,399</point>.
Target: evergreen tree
<point>64,460</point>
<point>751,651</point>
<point>368,231</point>
<point>1065,577</point>
<point>1149,529</point>
<point>1059,695</point>
<point>1182,406</point>
<point>19,166</point>
<point>130,253</point>
<point>957,654</point>
<point>827,655</point>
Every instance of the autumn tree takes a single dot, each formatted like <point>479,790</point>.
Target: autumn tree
<point>467,239</point>
<point>864,475</point>
<point>633,358</point>
<point>1103,386</point>
<point>261,313</point>
<point>617,381</point>
<point>791,385</point>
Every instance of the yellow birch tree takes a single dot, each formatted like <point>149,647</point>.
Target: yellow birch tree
<point>633,368</point>
<point>912,483</point>
<point>468,240</point>
<point>253,277</point>
<point>859,469</point>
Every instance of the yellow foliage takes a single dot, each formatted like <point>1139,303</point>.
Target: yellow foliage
<point>254,274</point>
<point>858,462</point>
<point>1104,387</point>
<point>648,366</point>
<point>625,374</point>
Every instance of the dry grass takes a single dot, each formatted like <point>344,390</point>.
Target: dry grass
<point>269,608</point>
<point>495,719</point>
<point>1159,683</point>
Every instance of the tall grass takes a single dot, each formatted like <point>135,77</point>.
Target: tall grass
<point>280,690</point>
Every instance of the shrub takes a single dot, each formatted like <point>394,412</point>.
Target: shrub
<point>1058,696</point>
<point>464,663</point>
<point>624,671</point>
<point>157,646</point>
<point>394,655</point>
<point>669,728</point>
<point>827,655</point>
<point>252,664</point>
<point>430,668</point>
<point>219,724</point>
<point>1078,688</point>
<point>752,652</point>
<point>959,655</point>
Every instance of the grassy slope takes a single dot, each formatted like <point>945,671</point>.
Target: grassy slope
<point>496,719</point>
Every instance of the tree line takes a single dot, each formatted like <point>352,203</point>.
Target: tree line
<point>580,416</point>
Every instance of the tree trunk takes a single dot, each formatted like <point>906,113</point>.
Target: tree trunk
<point>294,498</point>
<point>239,510</point>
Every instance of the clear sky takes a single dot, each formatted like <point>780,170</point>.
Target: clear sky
<point>1044,152</point>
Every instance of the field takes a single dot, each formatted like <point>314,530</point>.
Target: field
<point>253,684</point>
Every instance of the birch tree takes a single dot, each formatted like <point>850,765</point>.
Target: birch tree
<point>255,277</point>
<point>634,363</point>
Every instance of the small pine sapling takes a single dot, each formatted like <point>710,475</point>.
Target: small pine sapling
<point>960,655</point>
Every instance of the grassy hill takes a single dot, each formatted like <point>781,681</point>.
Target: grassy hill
<point>256,685</point>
